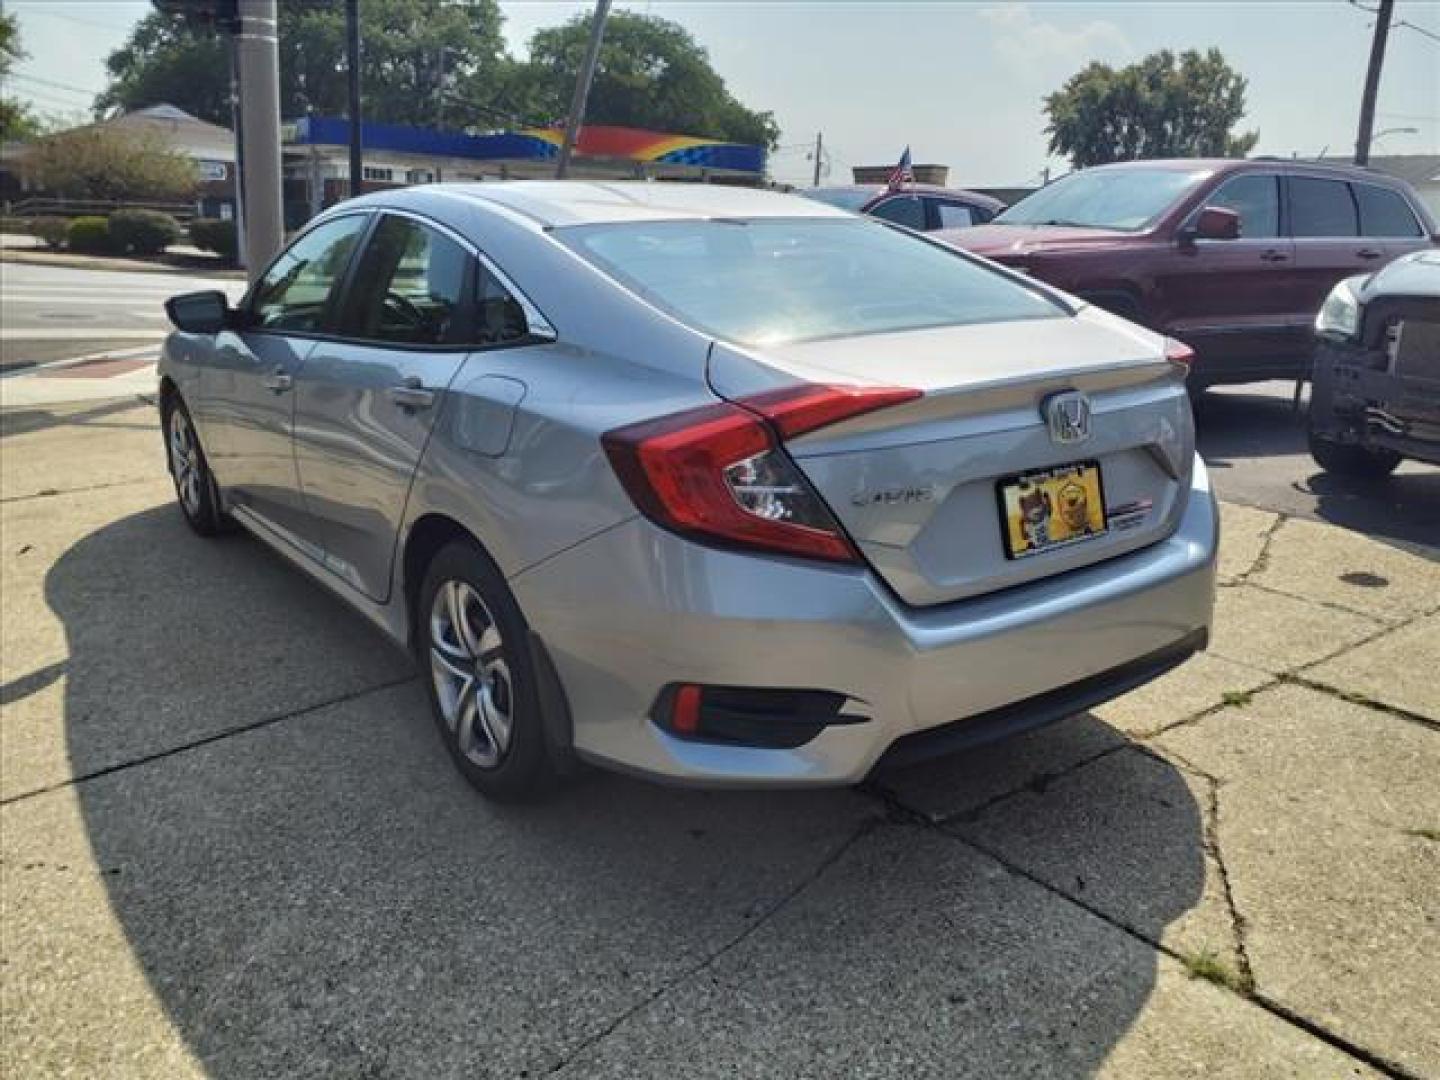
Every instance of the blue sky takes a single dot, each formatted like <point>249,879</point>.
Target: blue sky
<point>961,83</point>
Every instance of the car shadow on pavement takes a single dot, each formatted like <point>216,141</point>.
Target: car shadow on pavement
<point>310,889</point>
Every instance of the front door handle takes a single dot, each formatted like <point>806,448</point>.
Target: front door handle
<point>412,394</point>
<point>1368,253</point>
<point>1273,256</point>
<point>278,381</point>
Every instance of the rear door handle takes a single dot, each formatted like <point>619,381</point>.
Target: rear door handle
<point>411,394</point>
<point>1368,253</point>
<point>277,381</point>
<point>1273,256</point>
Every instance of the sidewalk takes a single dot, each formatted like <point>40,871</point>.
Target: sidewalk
<point>233,847</point>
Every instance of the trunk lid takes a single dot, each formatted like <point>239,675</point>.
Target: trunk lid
<point>916,485</point>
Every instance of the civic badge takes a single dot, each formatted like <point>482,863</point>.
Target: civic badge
<point>1068,414</point>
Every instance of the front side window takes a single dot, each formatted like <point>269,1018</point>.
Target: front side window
<point>904,210</point>
<point>294,292</point>
<point>776,280</point>
<point>1321,208</point>
<point>1125,199</point>
<point>1256,199</point>
<point>1385,213</point>
<point>408,287</point>
<point>954,215</point>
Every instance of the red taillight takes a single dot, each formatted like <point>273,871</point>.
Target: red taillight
<point>717,473</point>
<point>1177,352</point>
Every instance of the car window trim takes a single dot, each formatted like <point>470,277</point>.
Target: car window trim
<point>247,302</point>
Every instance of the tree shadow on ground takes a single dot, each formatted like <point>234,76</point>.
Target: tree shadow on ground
<point>317,893</point>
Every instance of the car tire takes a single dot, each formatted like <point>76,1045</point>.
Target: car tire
<point>1346,459</point>
<point>195,487</point>
<point>472,645</point>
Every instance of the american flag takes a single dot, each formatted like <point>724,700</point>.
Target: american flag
<point>903,173</point>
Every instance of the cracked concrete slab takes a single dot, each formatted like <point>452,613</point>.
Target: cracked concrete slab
<point>79,446</point>
<point>1317,801</point>
<point>1126,835</point>
<point>1337,566</point>
<point>125,635</point>
<point>1198,684</point>
<point>960,783</point>
<point>1398,669</point>
<point>327,897</point>
<point>916,956</point>
<point>1278,633</point>
<point>1244,532</point>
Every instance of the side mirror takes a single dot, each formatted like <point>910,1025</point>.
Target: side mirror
<point>205,312</point>
<point>1213,223</point>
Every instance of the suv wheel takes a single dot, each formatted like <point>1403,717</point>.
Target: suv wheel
<point>1347,459</point>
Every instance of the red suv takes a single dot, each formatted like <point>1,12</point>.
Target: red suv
<point>1234,258</point>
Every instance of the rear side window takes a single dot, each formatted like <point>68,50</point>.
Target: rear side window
<point>499,317</point>
<point>955,215</point>
<point>1256,199</point>
<point>1321,208</point>
<point>295,290</point>
<point>409,286</point>
<point>905,210</point>
<point>1384,212</point>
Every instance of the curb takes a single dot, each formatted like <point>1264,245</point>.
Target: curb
<point>86,262</point>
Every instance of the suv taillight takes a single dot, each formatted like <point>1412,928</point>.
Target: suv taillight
<point>718,473</point>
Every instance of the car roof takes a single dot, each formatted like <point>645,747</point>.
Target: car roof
<point>558,203</point>
<point>914,189</point>
<point>1271,164</point>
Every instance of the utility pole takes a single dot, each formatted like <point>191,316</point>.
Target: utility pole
<point>582,87</point>
<point>257,59</point>
<point>819,149</point>
<point>1372,81</point>
<point>352,77</point>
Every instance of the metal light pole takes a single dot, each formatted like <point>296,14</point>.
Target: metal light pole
<point>352,75</point>
<point>819,150</point>
<point>582,88</point>
<point>257,59</point>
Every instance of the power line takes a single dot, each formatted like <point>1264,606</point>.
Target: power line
<point>77,19</point>
<point>49,82</point>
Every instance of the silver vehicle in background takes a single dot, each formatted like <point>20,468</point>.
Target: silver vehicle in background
<point>713,485</point>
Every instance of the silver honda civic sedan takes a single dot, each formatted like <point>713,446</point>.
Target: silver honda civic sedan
<point>714,485</point>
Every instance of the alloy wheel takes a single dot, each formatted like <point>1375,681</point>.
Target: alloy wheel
<point>185,462</point>
<point>472,678</point>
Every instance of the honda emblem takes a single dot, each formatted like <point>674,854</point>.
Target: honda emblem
<point>1068,415</point>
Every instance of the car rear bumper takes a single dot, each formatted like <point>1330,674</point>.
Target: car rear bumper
<point>635,609</point>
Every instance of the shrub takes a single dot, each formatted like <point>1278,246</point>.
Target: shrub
<point>90,235</point>
<point>145,232</point>
<point>53,230</point>
<point>215,234</point>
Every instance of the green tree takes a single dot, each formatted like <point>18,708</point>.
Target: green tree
<point>414,56</point>
<point>101,163</point>
<point>652,74</point>
<point>1162,107</point>
<point>16,119</point>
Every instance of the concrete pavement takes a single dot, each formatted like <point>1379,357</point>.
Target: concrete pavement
<point>233,847</point>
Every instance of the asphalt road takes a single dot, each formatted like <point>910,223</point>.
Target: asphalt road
<point>53,313</point>
<point>1254,442</point>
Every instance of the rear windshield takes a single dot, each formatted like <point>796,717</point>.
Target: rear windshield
<point>775,280</point>
<point>1124,199</point>
<point>843,197</point>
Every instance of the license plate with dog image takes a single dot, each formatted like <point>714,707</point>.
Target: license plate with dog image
<point>1051,508</point>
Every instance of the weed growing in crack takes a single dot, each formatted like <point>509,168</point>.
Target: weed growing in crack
<point>1208,966</point>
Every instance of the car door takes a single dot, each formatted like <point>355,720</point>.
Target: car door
<point>249,394</point>
<point>1325,223</point>
<point>367,399</point>
<point>1233,300</point>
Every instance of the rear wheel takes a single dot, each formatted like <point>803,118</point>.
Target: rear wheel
<point>484,692</point>
<point>1347,459</point>
<point>195,488</point>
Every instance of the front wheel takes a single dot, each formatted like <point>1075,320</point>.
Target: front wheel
<point>1346,459</point>
<point>195,488</point>
<point>484,692</point>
